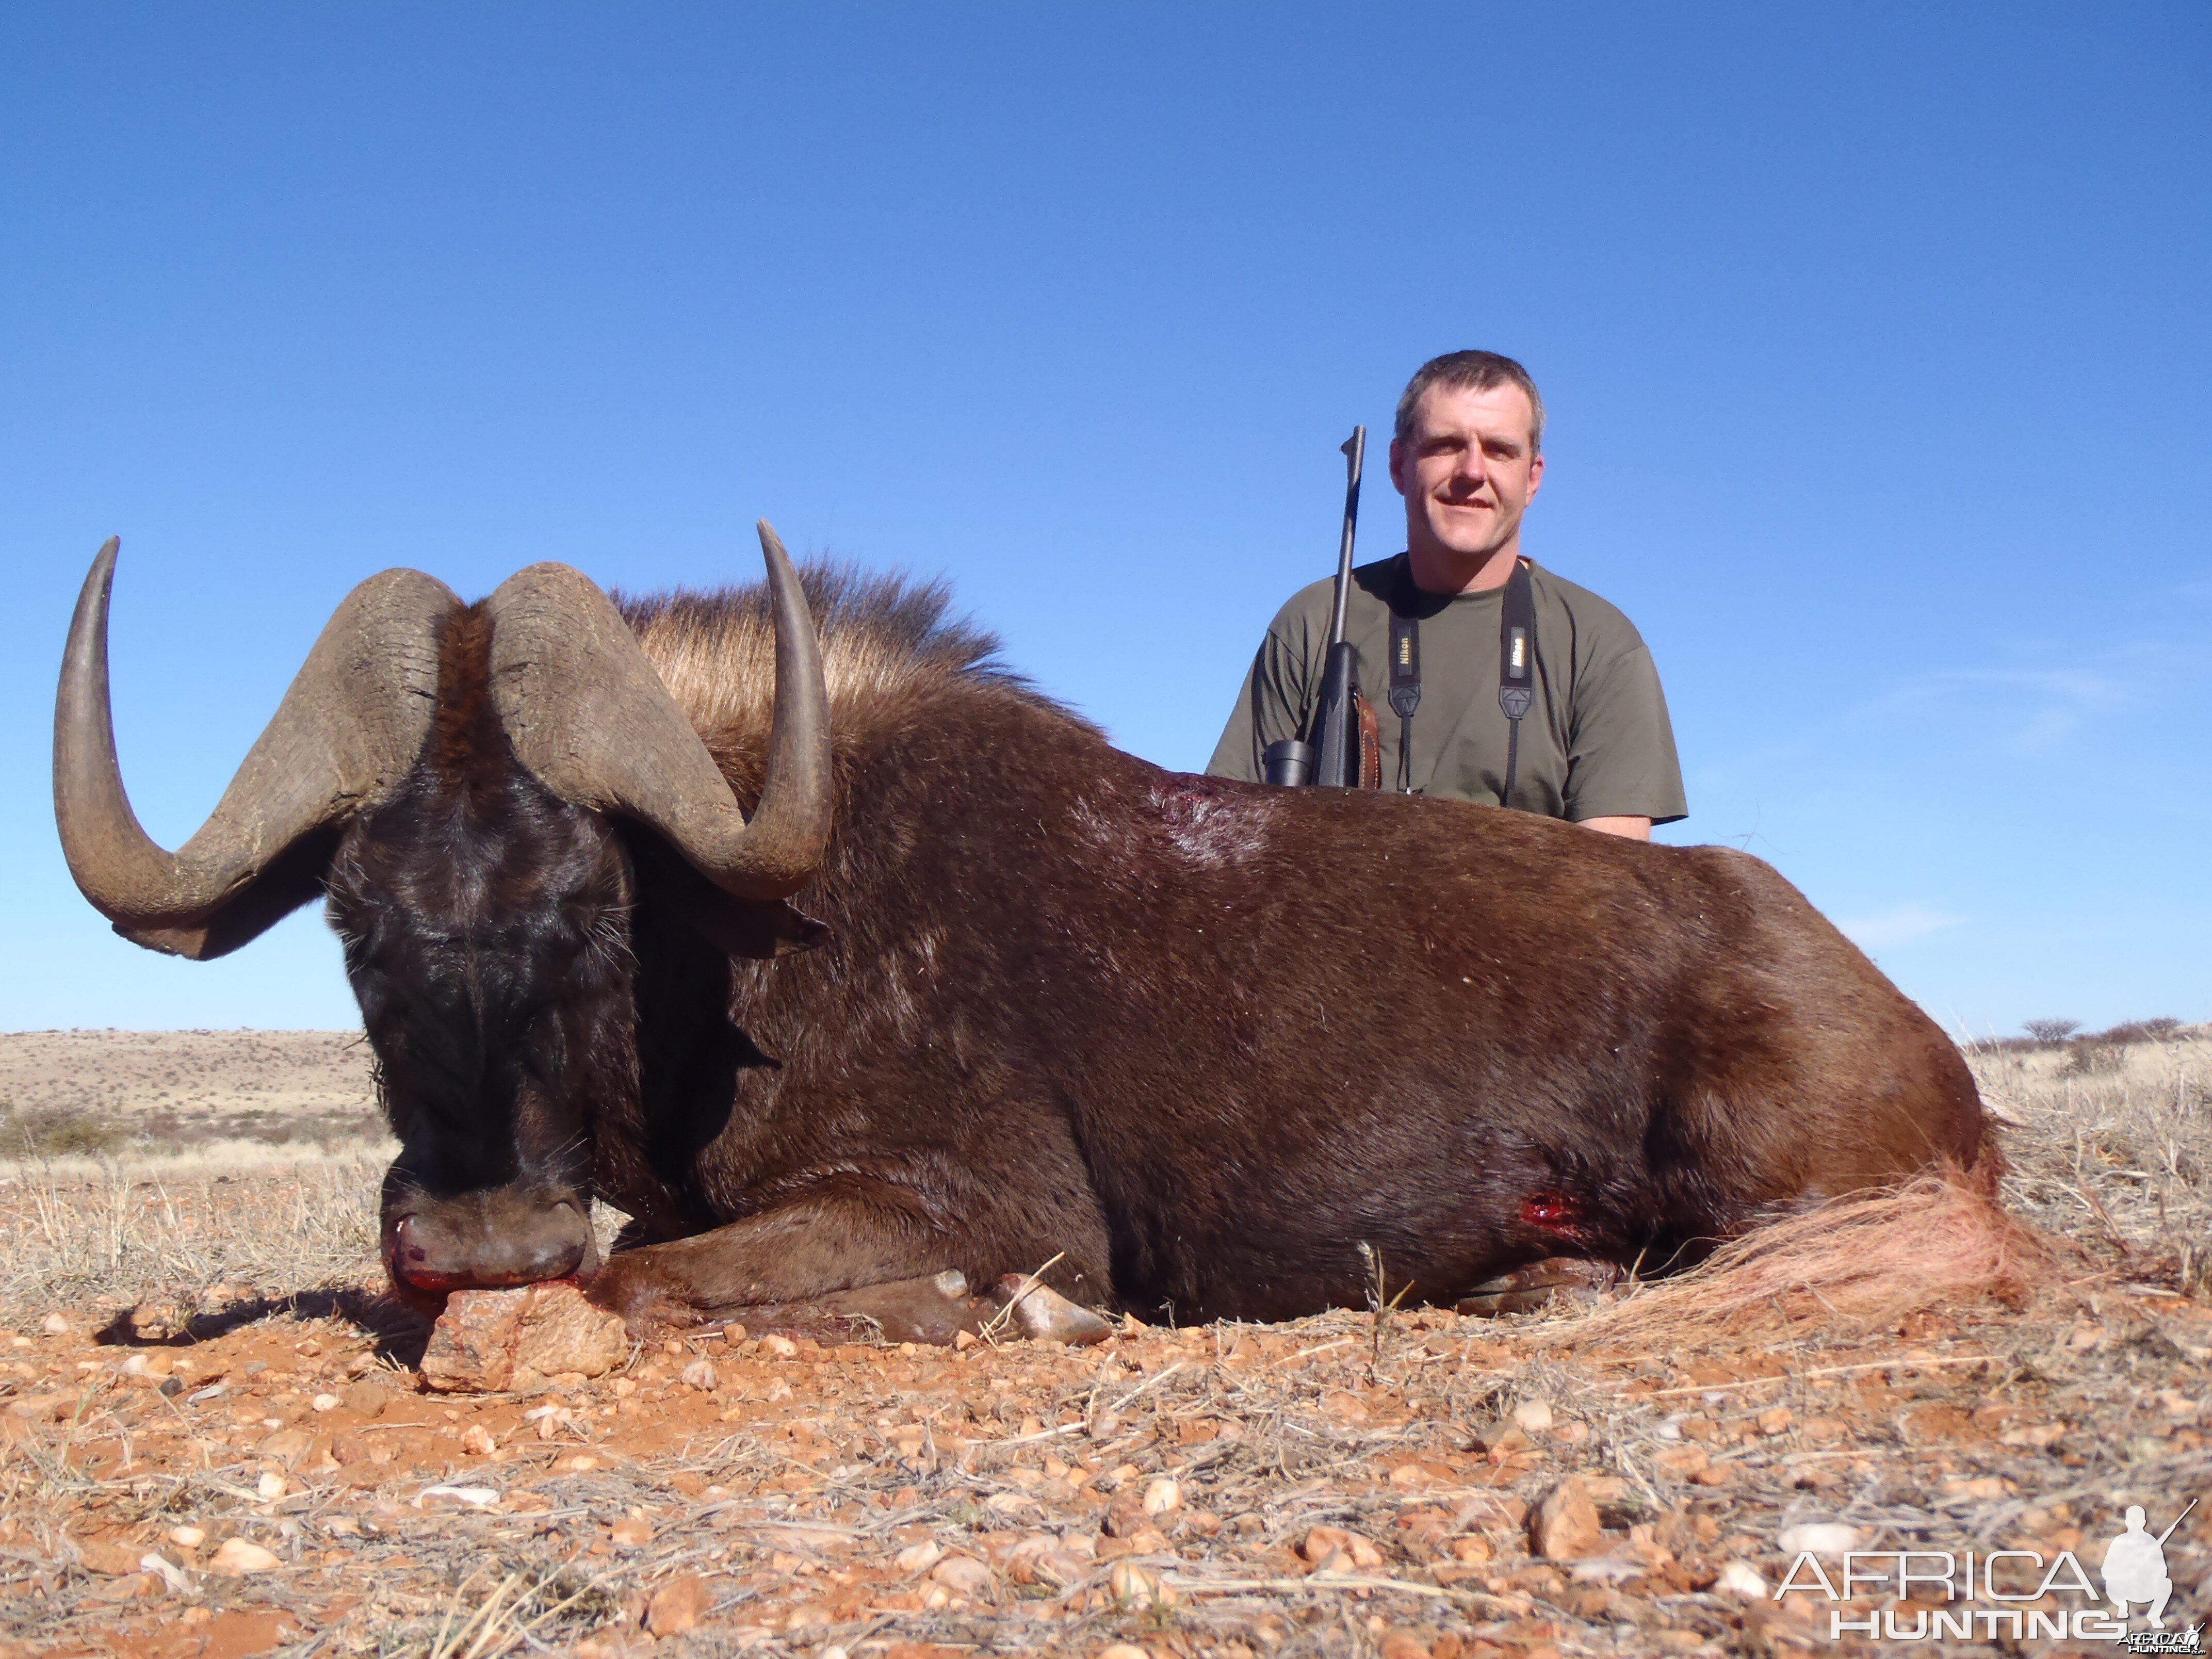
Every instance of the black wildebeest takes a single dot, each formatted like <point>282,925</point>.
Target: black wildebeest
<point>1202,1040</point>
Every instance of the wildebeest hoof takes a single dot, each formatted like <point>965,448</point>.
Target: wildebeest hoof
<point>1043,1315</point>
<point>1566,1277</point>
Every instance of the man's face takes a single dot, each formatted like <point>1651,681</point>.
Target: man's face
<point>1469,470</point>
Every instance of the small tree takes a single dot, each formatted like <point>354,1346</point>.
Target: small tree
<point>2053,1031</point>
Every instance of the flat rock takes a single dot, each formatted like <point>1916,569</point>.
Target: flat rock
<point>1565,1525</point>
<point>495,1341</point>
<point>676,1606</point>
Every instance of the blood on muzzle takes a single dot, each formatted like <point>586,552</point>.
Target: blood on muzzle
<point>481,1241</point>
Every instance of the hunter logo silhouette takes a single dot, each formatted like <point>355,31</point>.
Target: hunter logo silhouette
<point>2135,1566</point>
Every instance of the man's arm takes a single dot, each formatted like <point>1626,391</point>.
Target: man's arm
<point>1633,829</point>
<point>1622,774</point>
<point>1271,706</point>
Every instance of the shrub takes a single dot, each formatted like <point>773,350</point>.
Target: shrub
<point>2139,1030</point>
<point>2091,1056</point>
<point>2050,1031</point>
<point>55,1131</point>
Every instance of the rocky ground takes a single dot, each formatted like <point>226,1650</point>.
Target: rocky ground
<point>214,1443</point>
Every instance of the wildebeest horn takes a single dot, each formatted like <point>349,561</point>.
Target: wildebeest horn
<point>346,732</point>
<point>589,714</point>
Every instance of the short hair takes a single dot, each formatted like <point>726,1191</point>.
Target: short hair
<point>1470,371</point>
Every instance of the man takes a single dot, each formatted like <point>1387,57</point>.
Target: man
<point>1595,745</point>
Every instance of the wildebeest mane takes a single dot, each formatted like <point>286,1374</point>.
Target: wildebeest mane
<point>889,652</point>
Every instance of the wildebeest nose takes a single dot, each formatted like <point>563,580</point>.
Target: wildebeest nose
<point>443,1252</point>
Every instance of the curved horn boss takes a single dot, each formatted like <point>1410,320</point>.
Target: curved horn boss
<point>348,730</point>
<point>587,713</point>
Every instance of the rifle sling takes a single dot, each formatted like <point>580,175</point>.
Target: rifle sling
<point>1405,690</point>
<point>1516,675</point>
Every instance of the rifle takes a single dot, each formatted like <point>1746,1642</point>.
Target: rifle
<point>1330,757</point>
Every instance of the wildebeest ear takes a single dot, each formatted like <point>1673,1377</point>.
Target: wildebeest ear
<point>739,928</point>
<point>750,927</point>
<point>294,879</point>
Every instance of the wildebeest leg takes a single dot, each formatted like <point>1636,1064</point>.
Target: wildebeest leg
<point>807,1251</point>
<point>1528,1288</point>
<point>935,1309</point>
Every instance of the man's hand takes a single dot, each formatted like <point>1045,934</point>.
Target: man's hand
<point>1634,828</point>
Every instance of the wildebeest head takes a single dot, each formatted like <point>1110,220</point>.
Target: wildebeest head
<point>452,778</point>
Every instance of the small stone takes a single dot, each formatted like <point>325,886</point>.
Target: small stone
<point>1565,1525</point>
<point>1125,1514</point>
<point>270,1486</point>
<point>700,1375</point>
<point>476,1441</point>
<point>1332,1549</point>
<point>631,1531</point>
<point>488,1340</point>
<point>1122,1650</point>
<point>964,1575</point>
<point>326,1402</point>
<point>782,1347</point>
<point>166,1572</point>
<point>109,1560</point>
<point>1136,1589</point>
<point>963,1340</point>
<point>367,1399</point>
<point>676,1605</point>
<point>1820,1537</point>
<point>237,1558</point>
<point>1161,1497</point>
<point>1742,1579</point>
<point>287,1445</point>
<point>190,1538</point>
<point>917,1558</point>
<point>444,1497</point>
<point>1533,1416</point>
<point>54,1325</point>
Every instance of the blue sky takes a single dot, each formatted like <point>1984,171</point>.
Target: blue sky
<point>1874,338</point>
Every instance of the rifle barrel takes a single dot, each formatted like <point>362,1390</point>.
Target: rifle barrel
<point>1355,454</point>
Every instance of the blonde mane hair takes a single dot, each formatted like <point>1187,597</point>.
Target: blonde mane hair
<point>889,651</point>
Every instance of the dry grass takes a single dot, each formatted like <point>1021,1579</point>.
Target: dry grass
<point>1701,1417</point>
<point>2113,1141</point>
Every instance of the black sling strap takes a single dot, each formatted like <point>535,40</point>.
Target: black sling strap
<point>1516,675</point>
<point>1516,665</point>
<point>1405,690</point>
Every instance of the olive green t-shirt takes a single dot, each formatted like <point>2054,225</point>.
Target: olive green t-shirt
<point>1595,744</point>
